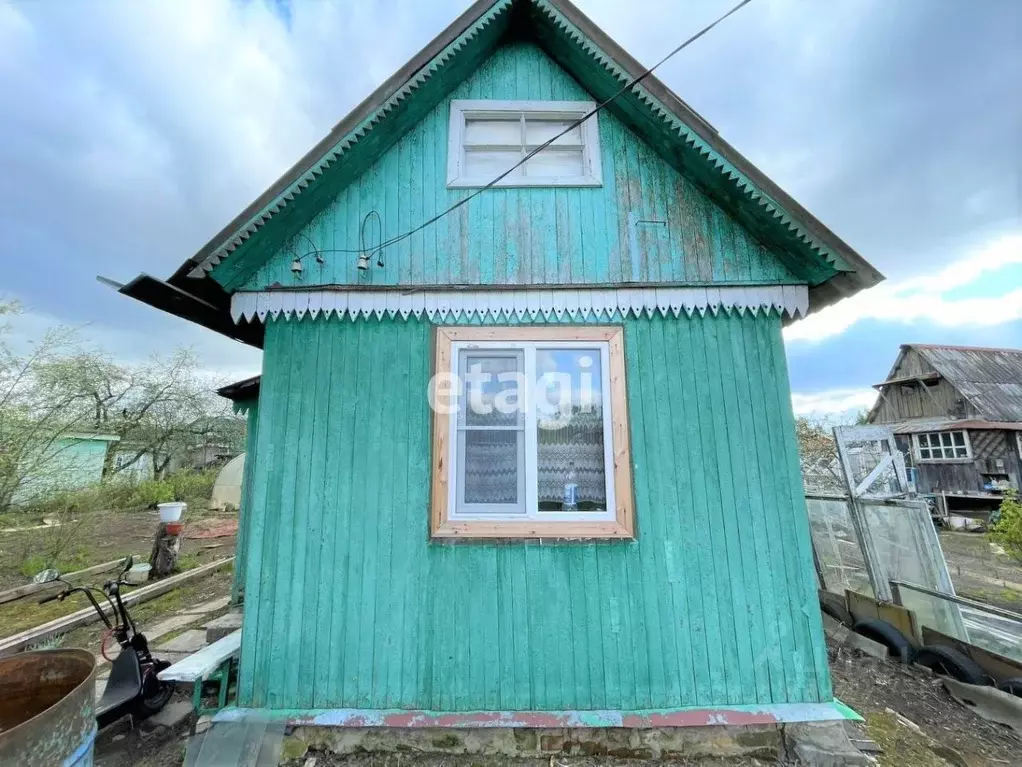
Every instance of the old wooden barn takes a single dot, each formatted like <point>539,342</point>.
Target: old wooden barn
<point>609,528</point>
<point>956,412</point>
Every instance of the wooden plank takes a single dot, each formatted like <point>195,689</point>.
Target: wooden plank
<point>531,333</point>
<point>34,588</point>
<point>200,665</point>
<point>441,431</point>
<point>623,487</point>
<point>16,642</point>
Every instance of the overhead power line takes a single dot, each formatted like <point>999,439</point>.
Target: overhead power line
<point>475,193</point>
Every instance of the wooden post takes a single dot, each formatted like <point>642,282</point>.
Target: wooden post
<point>163,558</point>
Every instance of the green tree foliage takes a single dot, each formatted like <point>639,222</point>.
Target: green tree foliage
<point>1007,524</point>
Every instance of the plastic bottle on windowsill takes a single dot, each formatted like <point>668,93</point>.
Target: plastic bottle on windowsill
<point>570,500</point>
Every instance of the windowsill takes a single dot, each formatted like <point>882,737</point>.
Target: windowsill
<point>533,529</point>
<point>526,183</point>
<point>944,460</point>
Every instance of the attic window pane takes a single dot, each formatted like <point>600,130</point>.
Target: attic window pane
<point>491,163</point>
<point>961,452</point>
<point>959,438</point>
<point>540,131</point>
<point>493,132</point>
<point>946,438</point>
<point>556,163</point>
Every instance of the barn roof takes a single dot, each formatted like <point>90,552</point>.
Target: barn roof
<point>651,109</point>
<point>990,379</point>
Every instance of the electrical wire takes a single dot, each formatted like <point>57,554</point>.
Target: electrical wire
<point>475,193</point>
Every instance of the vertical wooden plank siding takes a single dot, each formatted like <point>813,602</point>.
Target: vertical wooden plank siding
<point>349,604</point>
<point>527,236</point>
<point>241,547</point>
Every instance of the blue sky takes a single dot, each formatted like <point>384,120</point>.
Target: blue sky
<point>133,131</point>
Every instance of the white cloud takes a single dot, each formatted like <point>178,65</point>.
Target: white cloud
<point>922,298</point>
<point>834,403</point>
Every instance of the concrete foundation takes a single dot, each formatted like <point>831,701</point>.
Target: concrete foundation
<point>820,744</point>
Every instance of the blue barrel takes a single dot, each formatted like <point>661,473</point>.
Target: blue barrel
<point>48,708</point>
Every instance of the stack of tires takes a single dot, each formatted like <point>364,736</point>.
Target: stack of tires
<point>941,659</point>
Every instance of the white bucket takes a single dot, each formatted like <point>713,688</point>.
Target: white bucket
<point>138,574</point>
<point>171,512</point>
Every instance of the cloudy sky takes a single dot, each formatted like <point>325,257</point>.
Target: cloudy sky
<point>131,132</point>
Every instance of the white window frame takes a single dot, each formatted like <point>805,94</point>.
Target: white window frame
<point>529,506</point>
<point>462,109</point>
<point>938,434</point>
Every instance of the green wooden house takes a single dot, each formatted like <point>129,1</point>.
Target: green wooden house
<point>529,461</point>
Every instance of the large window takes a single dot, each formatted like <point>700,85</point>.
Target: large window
<point>943,446</point>
<point>489,137</point>
<point>530,433</point>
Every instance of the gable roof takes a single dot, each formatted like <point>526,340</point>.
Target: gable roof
<point>672,128</point>
<point>988,379</point>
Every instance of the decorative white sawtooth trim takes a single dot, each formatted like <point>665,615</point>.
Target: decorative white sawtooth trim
<point>521,305</point>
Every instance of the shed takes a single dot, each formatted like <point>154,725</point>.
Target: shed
<point>956,412</point>
<point>523,453</point>
<point>64,462</point>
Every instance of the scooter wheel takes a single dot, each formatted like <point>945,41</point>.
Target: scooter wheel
<point>155,695</point>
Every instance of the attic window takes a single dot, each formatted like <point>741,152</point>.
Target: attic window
<point>488,137</point>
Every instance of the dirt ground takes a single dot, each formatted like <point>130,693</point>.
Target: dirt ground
<point>102,537</point>
<point>881,690</point>
<point>981,571</point>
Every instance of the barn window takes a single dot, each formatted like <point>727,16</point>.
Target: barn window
<point>487,138</point>
<point>943,446</point>
<point>530,433</point>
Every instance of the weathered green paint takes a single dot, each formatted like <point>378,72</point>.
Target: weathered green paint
<point>349,605</point>
<point>526,236</point>
<point>251,410</point>
<point>533,20</point>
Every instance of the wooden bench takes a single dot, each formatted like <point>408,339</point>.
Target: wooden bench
<point>212,663</point>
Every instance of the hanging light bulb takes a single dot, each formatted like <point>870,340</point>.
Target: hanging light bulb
<point>297,268</point>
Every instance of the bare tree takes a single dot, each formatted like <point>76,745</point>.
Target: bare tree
<point>59,388</point>
<point>34,426</point>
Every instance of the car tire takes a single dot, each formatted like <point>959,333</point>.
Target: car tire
<point>887,635</point>
<point>1012,686</point>
<point>948,661</point>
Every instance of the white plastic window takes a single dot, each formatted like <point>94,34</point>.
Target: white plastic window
<point>531,438</point>
<point>489,137</point>
<point>943,446</point>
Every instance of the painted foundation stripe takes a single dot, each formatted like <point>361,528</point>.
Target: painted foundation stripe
<point>680,717</point>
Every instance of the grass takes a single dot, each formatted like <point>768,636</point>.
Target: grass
<point>67,562</point>
<point>147,613</point>
<point>188,562</point>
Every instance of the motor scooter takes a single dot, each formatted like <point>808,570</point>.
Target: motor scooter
<point>133,686</point>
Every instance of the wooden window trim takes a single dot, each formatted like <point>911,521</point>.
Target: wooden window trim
<point>463,109</point>
<point>623,524</point>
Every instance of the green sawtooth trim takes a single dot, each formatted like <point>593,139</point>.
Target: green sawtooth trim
<point>743,184</point>
<point>360,131</point>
